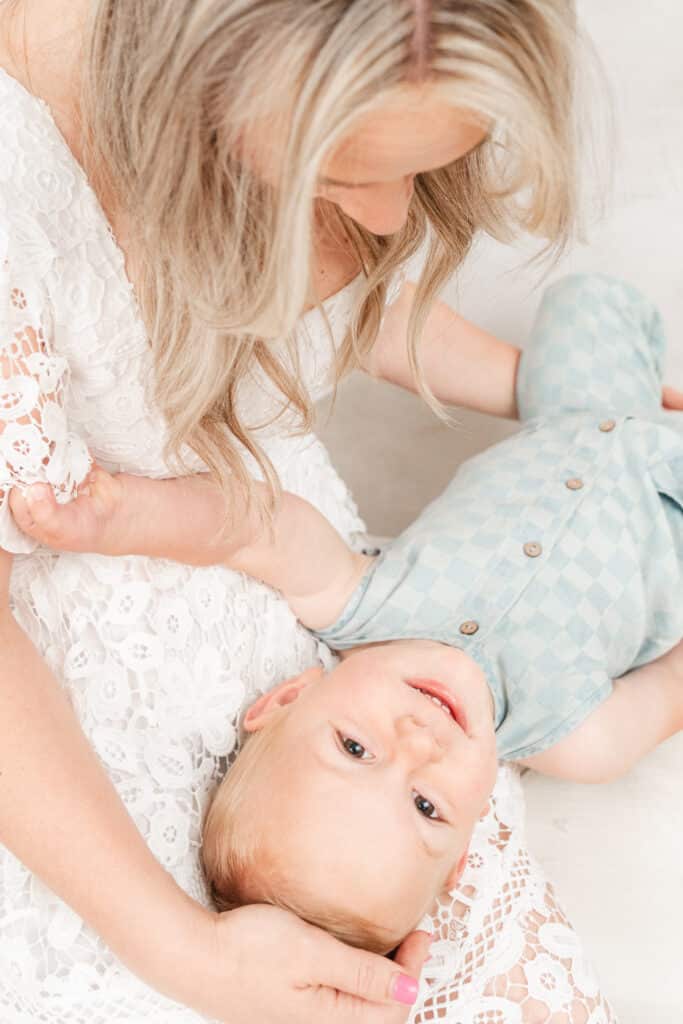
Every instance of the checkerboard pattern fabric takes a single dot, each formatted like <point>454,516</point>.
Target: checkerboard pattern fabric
<point>555,559</point>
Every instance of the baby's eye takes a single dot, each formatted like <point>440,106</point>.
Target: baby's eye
<point>426,807</point>
<point>354,748</point>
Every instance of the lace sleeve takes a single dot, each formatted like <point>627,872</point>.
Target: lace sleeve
<point>35,442</point>
<point>504,952</point>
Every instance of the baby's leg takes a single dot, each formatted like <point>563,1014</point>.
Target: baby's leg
<point>644,709</point>
<point>598,345</point>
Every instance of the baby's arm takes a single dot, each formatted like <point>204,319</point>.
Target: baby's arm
<point>304,557</point>
<point>189,520</point>
<point>644,709</point>
<point>462,364</point>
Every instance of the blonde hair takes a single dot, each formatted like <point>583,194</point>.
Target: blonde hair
<point>172,86</point>
<point>241,860</point>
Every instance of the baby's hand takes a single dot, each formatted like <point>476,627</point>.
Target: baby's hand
<point>95,521</point>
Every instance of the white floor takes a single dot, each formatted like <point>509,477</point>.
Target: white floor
<point>615,852</point>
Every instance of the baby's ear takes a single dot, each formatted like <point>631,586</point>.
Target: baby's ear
<point>279,697</point>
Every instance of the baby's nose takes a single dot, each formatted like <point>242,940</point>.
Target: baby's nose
<point>418,739</point>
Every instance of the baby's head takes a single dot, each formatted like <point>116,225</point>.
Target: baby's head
<point>353,800</point>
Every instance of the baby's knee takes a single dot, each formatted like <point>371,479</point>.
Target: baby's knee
<point>619,315</point>
<point>600,293</point>
<point>608,296</point>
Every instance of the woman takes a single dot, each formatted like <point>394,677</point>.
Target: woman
<point>245,161</point>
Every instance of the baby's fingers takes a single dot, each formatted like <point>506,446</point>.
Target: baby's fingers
<point>22,513</point>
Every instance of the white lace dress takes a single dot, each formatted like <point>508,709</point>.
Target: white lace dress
<point>160,659</point>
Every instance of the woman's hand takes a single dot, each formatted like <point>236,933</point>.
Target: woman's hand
<point>264,964</point>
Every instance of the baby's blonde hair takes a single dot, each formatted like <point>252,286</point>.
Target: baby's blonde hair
<point>241,861</point>
<point>171,88</point>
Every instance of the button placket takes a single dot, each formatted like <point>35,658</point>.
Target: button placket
<point>587,455</point>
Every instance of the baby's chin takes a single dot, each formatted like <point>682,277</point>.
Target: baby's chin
<point>408,660</point>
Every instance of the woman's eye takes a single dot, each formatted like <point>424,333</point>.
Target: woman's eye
<point>425,807</point>
<point>354,748</point>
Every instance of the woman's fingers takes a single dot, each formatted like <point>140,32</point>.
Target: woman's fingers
<point>672,398</point>
<point>413,952</point>
<point>366,976</point>
<point>370,989</point>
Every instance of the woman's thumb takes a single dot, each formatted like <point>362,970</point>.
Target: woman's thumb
<point>368,976</point>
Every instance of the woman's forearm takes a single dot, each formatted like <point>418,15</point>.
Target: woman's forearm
<point>61,816</point>
<point>462,364</point>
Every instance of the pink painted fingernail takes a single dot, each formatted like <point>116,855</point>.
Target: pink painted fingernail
<point>404,989</point>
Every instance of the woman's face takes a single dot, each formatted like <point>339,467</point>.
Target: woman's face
<point>370,176</point>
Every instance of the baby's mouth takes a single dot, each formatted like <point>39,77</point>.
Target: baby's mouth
<point>439,695</point>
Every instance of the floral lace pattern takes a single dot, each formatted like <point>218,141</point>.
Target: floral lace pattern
<point>35,443</point>
<point>512,958</point>
<point>158,659</point>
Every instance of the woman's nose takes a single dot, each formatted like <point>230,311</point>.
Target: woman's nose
<point>381,209</point>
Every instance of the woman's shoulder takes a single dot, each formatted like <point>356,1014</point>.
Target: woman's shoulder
<point>38,181</point>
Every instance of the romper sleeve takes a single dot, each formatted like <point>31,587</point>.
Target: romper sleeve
<point>597,345</point>
<point>35,442</point>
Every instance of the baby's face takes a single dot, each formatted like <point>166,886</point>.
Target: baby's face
<point>379,772</point>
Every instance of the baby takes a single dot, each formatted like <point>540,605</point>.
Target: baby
<point>495,625</point>
<point>533,612</point>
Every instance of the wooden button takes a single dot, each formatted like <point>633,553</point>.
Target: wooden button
<point>469,628</point>
<point>575,484</point>
<point>607,426</point>
<point>533,549</point>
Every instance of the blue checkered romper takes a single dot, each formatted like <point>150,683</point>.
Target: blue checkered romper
<point>555,559</point>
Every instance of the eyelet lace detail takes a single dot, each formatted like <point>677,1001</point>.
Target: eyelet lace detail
<point>35,442</point>
<point>504,952</point>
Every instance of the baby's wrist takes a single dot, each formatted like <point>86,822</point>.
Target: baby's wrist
<point>133,513</point>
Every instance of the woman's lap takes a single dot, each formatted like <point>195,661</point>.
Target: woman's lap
<point>504,951</point>
<point>158,661</point>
